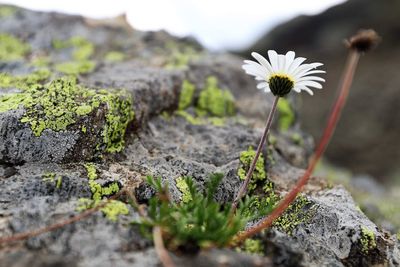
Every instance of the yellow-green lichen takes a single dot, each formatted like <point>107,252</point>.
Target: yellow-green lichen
<point>179,55</point>
<point>259,174</point>
<point>82,50</point>
<point>190,118</point>
<point>7,11</point>
<point>23,81</point>
<point>91,170</point>
<point>40,61</point>
<point>215,101</point>
<point>112,209</point>
<point>286,114</point>
<point>183,187</point>
<point>76,67</point>
<point>297,139</point>
<point>253,246</point>
<point>216,121</point>
<point>300,211</point>
<point>52,177</point>
<point>367,240</point>
<point>186,96</point>
<point>114,56</point>
<point>60,103</point>
<point>12,48</point>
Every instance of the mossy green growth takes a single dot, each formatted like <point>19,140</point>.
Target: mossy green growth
<point>259,174</point>
<point>114,56</point>
<point>12,48</point>
<point>215,101</point>
<point>60,103</point>
<point>367,240</point>
<point>183,187</point>
<point>253,246</point>
<point>286,114</point>
<point>24,81</point>
<point>300,211</point>
<point>186,96</point>
<point>76,67</point>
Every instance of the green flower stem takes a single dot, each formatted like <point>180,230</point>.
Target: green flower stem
<point>243,189</point>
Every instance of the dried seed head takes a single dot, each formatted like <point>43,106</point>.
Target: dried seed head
<point>363,41</point>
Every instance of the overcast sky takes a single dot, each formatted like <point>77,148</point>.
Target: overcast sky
<point>218,24</point>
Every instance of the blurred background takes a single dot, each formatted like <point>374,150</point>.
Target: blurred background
<point>366,141</point>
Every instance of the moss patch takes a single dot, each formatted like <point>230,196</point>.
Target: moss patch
<point>62,102</point>
<point>12,48</point>
<point>300,211</point>
<point>259,174</point>
<point>286,114</point>
<point>183,187</point>
<point>215,101</point>
<point>186,96</point>
<point>367,240</point>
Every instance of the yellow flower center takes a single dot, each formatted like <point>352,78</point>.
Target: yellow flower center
<point>280,84</point>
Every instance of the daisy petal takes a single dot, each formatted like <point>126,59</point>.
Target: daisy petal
<point>311,78</point>
<point>262,85</point>
<point>262,61</point>
<point>289,58</point>
<point>295,64</point>
<point>311,84</point>
<point>273,58</point>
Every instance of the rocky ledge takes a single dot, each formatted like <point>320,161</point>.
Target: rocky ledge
<point>90,107</point>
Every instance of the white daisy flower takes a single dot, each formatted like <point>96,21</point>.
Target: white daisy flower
<point>282,73</point>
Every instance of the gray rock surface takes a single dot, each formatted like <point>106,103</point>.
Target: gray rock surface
<point>36,193</point>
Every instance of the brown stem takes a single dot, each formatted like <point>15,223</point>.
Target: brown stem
<point>160,248</point>
<point>329,129</point>
<point>60,224</point>
<point>243,189</point>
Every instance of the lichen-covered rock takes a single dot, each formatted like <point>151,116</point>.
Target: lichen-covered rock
<point>62,121</point>
<point>170,110</point>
